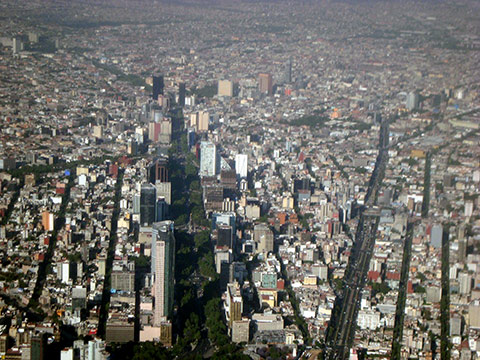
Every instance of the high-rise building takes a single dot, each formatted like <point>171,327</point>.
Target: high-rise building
<point>98,131</point>
<point>38,345</point>
<point>474,314</point>
<point>436,236</point>
<point>16,45</point>
<point>234,303</point>
<point>225,88</point>
<point>160,131</point>
<point>224,235</point>
<point>164,189</point>
<point>96,349</point>
<point>154,129</point>
<point>4,343</point>
<point>241,165</point>
<point>157,87</point>
<point>265,83</point>
<point>203,121</point>
<point>263,236</point>
<point>227,218</point>
<point>63,271</point>
<point>123,279</point>
<point>158,170</point>
<point>148,198</point>
<point>163,264</point>
<point>79,298</point>
<point>462,250</point>
<point>47,221</point>
<point>181,94</point>
<point>209,159</point>
<point>162,209</point>
<point>465,283</point>
<point>412,101</point>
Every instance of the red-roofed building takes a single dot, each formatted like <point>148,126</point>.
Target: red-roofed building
<point>409,287</point>
<point>373,276</point>
<point>393,275</point>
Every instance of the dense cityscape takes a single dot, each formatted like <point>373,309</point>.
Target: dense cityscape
<point>239,180</point>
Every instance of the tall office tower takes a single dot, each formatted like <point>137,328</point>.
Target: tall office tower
<point>181,94</point>
<point>225,88</point>
<point>148,199</point>
<point>436,235</point>
<point>412,101</point>
<point>38,344</point>
<point>157,87</point>
<point>136,204</point>
<point>209,159</point>
<point>191,137</point>
<point>465,283</point>
<point>165,135</point>
<point>263,236</point>
<point>224,235</point>
<point>154,129</point>
<point>163,261</point>
<point>158,170</point>
<point>287,75</point>
<point>164,189</point>
<point>234,303</point>
<point>265,83</point>
<point>132,147</point>
<point>16,45</point>
<point>225,218</point>
<point>462,250</point>
<point>47,221</point>
<point>161,209</point>
<point>241,165</point>
<point>203,120</point>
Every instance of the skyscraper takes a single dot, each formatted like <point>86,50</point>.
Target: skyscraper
<point>209,159</point>
<point>158,171</point>
<point>412,101</point>
<point>265,83</point>
<point>225,88</point>
<point>181,94</point>
<point>17,45</point>
<point>161,209</point>
<point>203,121</point>
<point>157,87</point>
<point>148,198</point>
<point>163,266</point>
<point>241,165</point>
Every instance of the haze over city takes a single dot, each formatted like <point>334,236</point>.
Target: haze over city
<point>239,180</point>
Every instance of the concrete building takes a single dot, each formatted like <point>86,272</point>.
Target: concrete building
<point>209,159</point>
<point>163,265</point>
<point>265,83</point>
<point>263,236</point>
<point>241,331</point>
<point>225,88</point>
<point>241,165</point>
<point>412,101</point>
<point>436,236</point>
<point>233,304</point>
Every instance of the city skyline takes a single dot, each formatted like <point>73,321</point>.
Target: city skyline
<point>239,180</point>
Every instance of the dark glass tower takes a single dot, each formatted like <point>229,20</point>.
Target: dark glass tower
<point>181,94</point>
<point>148,199</point>
<point>157,86</point>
